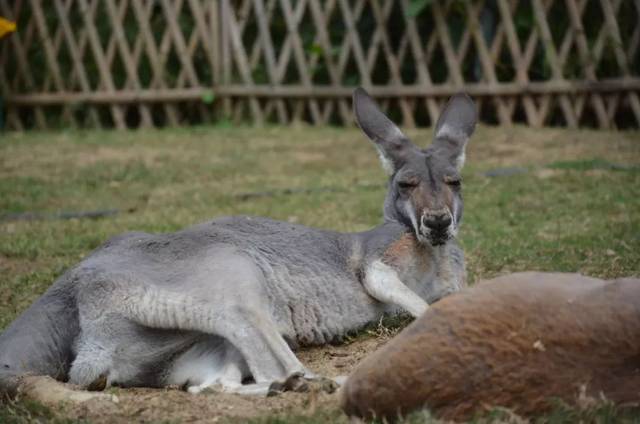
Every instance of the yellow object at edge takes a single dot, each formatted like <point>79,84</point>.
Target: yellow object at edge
<point>6,27</point>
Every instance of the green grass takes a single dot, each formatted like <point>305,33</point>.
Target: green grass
<point>577,208</point>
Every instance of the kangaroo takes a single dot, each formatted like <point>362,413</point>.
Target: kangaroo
<point>517,341</point>
<point>223,303</point>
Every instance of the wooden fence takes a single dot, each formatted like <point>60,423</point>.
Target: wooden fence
<point>130,63</point>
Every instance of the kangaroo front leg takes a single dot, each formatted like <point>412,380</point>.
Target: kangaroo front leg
<point>383,283</point>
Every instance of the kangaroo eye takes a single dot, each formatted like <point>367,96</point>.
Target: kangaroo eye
<point>453,181</point>
<point>407,184</point>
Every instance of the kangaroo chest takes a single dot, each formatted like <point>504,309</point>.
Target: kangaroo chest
<point>414,263</point>
<point>335,303</point>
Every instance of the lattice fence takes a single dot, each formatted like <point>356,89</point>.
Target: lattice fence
<point>130,63</point>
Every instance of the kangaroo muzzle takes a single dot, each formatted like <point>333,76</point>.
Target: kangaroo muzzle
<point>437,226</point>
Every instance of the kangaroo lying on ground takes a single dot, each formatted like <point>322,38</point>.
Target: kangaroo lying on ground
<point>223,303</point>
<point>516,341</point>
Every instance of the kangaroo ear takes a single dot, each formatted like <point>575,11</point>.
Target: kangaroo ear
<point>454,127</point>
<point>391,143</point>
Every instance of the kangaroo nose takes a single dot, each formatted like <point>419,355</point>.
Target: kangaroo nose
<point>439,221</point>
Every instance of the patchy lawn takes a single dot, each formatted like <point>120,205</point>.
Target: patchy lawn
<point>534,199</point>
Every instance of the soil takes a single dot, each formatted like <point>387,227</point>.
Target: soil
<point>176,405</point>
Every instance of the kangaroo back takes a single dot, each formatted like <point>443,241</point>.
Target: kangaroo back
<point>517,341</point>
<point>40,340</point>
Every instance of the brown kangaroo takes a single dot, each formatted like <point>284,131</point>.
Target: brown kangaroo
<point>517,341</point>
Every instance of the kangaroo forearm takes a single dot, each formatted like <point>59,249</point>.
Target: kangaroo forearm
<point>383,284</point>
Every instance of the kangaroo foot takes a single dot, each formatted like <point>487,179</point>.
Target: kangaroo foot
<point>99,384</point>
<point>294,383</point>
<point>301,383</point>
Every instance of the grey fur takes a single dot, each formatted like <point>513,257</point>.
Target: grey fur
<point>224,302</point>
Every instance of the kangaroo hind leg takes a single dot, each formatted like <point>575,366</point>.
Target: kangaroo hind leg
<point>91,366</point>
<point>235,312</point>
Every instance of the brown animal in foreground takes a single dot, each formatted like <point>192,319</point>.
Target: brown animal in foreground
<point>517,341</point>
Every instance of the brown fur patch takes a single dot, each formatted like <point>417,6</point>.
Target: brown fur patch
<point>517,341</point>
<point>404,252</point>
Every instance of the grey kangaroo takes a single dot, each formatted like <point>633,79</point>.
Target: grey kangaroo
<point>223,303</point>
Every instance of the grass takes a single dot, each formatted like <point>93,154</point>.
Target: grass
<point>576,208</point>
<point>27,411</point>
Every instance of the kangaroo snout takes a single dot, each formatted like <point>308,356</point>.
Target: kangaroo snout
<point>438,221</point>
<point>436,225</point>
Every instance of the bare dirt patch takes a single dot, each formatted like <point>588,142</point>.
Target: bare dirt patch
<point>175,405</point>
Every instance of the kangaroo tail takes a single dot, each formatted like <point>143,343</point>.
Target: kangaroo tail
<point>40,340</point>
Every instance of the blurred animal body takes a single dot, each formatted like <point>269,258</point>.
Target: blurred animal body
<point>518,341</point>
<point>224,302</point>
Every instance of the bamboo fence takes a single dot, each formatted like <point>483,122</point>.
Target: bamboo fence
<point>135,63</point>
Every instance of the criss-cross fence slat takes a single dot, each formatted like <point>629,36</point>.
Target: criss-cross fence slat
<point>137,63</point>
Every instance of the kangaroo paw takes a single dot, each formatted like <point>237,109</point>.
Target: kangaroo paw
<point>99,384</point>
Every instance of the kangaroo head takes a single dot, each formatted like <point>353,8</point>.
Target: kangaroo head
<point>424,184</point>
